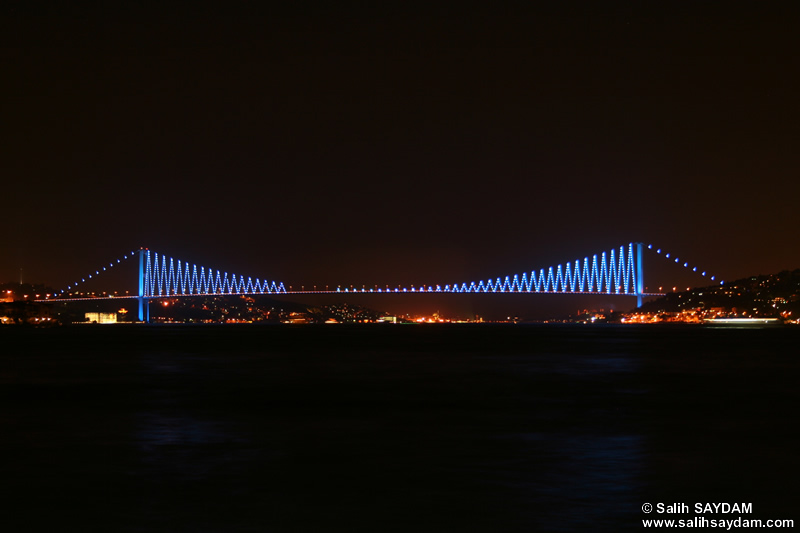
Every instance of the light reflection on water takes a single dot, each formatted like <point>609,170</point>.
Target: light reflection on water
<point>181,445</point>
<point>347,430</point>
<point>584,481</point>
<point>476,429</point>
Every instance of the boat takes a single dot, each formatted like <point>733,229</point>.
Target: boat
<point>749,321</point>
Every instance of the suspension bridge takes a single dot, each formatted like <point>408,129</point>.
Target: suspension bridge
<point>616,272</point>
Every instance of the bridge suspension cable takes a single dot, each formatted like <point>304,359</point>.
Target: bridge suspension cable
<point>615,272</point>
<point>685,264</point>
<point>164,276</point>
<point>97,272</point>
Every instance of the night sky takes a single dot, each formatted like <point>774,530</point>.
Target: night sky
<point>371,145</point>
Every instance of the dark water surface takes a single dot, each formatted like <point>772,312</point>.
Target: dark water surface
<point>392,428</point>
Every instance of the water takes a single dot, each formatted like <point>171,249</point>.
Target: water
<point>391,428</point>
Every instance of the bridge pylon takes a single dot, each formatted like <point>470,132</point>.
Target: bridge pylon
<point>639,274</point>
<point>144,303</point>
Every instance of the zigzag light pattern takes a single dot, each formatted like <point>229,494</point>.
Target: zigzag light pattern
<point>164,276</point>
<point>615,273</point>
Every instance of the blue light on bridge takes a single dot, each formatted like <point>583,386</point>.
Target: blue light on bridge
<point>613,272</point>
<point>162,278</point>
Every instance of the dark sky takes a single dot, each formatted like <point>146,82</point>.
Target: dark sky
<point>371,145</point>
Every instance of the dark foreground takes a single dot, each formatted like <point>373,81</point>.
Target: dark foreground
<point>392,428</point>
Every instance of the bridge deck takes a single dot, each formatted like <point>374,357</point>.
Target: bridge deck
<point>371,291</point>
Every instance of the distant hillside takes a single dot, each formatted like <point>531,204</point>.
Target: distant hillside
<point>771,295</point>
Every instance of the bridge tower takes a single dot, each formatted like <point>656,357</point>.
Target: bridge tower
<point>144,303</point>
<point>639,274</point>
